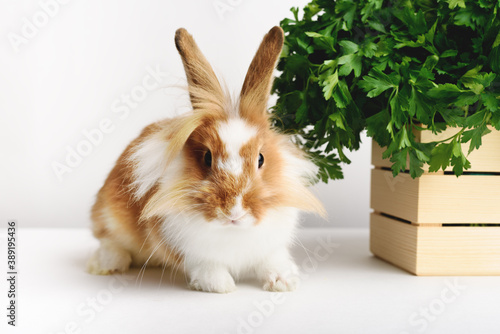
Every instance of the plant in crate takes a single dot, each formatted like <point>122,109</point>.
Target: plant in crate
<point>423,78</point>
<point>390,67</point>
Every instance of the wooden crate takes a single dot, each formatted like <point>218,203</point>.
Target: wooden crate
<point>423,225</point>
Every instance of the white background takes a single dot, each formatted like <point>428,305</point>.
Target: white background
<point>344,289</point>
<point>68,73</point>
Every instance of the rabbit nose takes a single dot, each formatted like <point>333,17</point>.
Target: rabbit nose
<point>237,216</point>
<point>237,211</point>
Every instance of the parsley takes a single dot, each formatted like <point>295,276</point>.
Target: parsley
<point>390,67</point>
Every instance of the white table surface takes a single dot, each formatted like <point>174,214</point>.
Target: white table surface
<point>344,289</point>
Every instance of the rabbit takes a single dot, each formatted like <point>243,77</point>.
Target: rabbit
<point>216,192</point>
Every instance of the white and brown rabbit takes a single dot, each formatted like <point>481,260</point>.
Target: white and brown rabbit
<point>215,192</point>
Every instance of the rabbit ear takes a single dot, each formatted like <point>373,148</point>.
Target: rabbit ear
<point>259,78</point>
<point>204,87</point>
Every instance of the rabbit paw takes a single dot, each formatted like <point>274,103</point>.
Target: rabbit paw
<point>219,281</point>
<point>279,272</point>
<point>109,259</point>
<point>278,283</point>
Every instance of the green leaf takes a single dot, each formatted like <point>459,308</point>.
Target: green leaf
<point>494,59</point>
<point>329,82</point>
<point>296,63</point>
<point>466,99</point>
<point>414,21</point>
<point>349,47</point>
<point>338,120</point>
<point>440,157</point>
<point>377,82</point>
<point>419,106</point>
<point>475,120</point>
<point>453,116</point>
<point>429,36</point>
<point>322,41</point>
<point>314,34</point>
<point>472,72</point>
<point>347,10</point>
<point>375,126</point>
<point>453,3</point>
<point>378,26</point>
<point>369,49</point>
<point>349,63</point>
<point>490,101</point>
<point>464,19</point>
<point>449,53</point>
<point>295,11</point>
<point>410,43</point>
<point>301,114</point>
<point>459,164</point>
<point>341,95</point>
<point>430,63</point>
<point>404,140</point>
<point>398,160</point>
<point>485,79</point>
<point>447,93</point>
<point>477,82</point>
<point>393,147</point>
<point>329,166</point>
<point>458,160</point>
<point>416,164</point>
<point>399,107</point>
<point>457,149</point>
<point>475,136</point>
<point>497,41</point>
<point>495,121</point>
<point>305,46</point>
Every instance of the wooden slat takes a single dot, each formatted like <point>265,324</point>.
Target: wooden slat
<point>437,199</point>
<point>396,196</point>
<point>458,251</point>
<point>468,199</point>
<point>377,160</point>
<point>393,242</point>
<point>424,250</point>
<point>485,159</point>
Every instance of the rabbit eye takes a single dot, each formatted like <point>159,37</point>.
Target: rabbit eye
<point>261,160</point>
<point>208,159</point>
